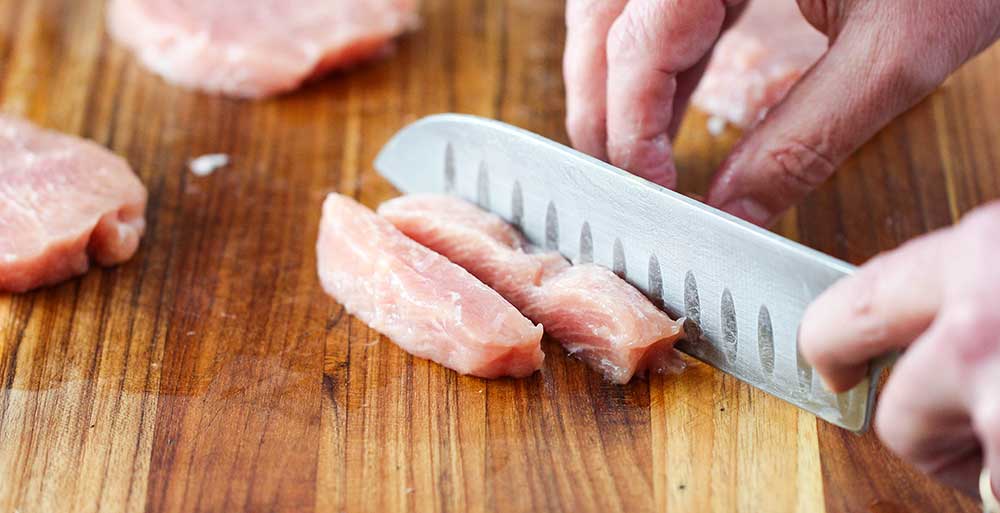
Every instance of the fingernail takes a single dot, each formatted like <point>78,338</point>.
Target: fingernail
<point>749,209</point>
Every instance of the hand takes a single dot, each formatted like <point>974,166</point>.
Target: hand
<point>630,67</point>
<point>939,298</point>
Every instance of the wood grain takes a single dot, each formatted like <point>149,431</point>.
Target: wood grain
<point>210,373</point>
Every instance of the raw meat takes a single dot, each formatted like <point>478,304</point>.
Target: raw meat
<point>256,48</point>
<point>757,61</point>
<point>596,315</point>
<point>427,305</point>
<point>63,202</point>
<point>482,243</point>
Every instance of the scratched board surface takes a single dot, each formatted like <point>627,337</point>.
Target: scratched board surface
<point>211,373</point>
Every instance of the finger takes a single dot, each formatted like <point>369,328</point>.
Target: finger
<point>585,71</point>
<point>648,45</point>
<point>868,77</point>
<point>885,305</point>
<point>930,426</point>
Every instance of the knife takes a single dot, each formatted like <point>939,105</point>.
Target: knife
<point>742,289</point>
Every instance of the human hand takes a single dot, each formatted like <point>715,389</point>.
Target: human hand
<point>938,296</point>
<point>630,67</point>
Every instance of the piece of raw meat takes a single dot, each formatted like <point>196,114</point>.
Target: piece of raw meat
<point>63,202</point>
<point>596,315</point>
<point>480,242</point>
<point>256,48</point>
<point>426,304</point>
<point>757,61</point>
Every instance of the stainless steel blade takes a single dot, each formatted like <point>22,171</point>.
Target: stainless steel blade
<point>743,289</point>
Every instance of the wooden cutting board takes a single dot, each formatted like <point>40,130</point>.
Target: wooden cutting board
<point>210,373</point>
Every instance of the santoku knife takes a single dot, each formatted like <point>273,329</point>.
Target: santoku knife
<point>742,289</point>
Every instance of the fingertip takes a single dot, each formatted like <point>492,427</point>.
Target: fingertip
<point>749,209</point>
<point>843,379</point>
<point>834,376</point>
<point>821,350</point>
<point>587,134</point>
<point>651,158</point>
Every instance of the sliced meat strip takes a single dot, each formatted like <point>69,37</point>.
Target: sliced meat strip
<point>596,315</point>
<point>426,304</point>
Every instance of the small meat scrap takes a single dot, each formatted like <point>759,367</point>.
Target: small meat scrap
<point>426,304</point>
<point>256,48</point>
<point>756,62</point>
<point>64,201</point>
<point>207,164</point>
<point>596,315</point>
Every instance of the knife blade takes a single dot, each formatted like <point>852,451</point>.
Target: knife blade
<point>742,289</point>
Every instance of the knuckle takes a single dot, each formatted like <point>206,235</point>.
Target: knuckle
<point>627,39</point>
<point>800,165</point>
<point>869,286</point>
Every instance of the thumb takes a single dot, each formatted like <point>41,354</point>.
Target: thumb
<point>870,75</point>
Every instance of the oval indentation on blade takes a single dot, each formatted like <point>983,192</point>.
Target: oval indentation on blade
<point>655,281</point>
<point>586,244</point>
<point>483,186</point>
<point>804,371</point>
<point>692,305</point>
<point>517,206</point>
<point>551,227</point>
<point>729,333</point>
<point>449,168</point>
<point>692,343</point>
<point>618,260</point>
<point>765,340</point>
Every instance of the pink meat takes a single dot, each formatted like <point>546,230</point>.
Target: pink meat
<point>63,202</point>
<point>427,305</point>
<point>757,61</point>
<point>596,315</point>
<point>480,242</point>
<point>256,48</point>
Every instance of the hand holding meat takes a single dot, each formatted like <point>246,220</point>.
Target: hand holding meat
<point>936,297</point>
<point>632,65</point>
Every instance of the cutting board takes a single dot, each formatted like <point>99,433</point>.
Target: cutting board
<point>211,373</point>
